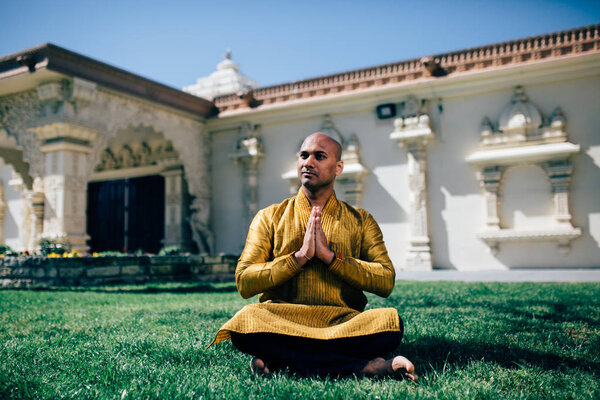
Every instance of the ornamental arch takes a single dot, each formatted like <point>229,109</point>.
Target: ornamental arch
<point>137,197</point>
<point>64,126</point>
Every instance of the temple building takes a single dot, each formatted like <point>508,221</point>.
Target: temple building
<point>484,158</point>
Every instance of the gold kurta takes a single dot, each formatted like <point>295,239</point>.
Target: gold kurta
<point>314,301</point>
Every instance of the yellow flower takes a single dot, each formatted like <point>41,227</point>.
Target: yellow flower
<point>1,255</point>
<point>94,254</point>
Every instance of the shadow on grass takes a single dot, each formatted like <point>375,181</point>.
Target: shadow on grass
<point>437,354</point>
<point>177,288</point>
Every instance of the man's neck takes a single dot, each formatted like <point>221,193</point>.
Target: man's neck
<point>318,198</point>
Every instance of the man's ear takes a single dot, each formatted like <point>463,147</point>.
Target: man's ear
<point>339,167</point>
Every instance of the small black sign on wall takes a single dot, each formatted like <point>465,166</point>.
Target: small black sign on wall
<point>387,110</point>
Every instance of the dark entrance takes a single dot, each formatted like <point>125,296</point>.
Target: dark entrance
<point>127,214</point>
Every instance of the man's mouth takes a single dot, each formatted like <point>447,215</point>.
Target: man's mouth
<point>308,173</point>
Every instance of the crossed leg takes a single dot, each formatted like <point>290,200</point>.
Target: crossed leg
<point>360,356</point>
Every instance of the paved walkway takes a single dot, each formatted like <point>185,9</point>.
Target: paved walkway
<point>518,275</point>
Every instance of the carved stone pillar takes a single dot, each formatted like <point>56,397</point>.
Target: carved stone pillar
<point>35,202</point>
<point>176,216</point>
<point>414,133</point>
<point>66,149</point>
<point>248,153</point>
<point>490,179</point>
<point>419,252</point>
<point>559,174</point>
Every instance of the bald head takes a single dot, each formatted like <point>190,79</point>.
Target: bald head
<point>334,145</point>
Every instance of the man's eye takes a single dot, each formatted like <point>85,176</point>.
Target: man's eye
<point>304,156</point>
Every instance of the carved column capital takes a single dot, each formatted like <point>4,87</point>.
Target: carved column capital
<point>491,178</point>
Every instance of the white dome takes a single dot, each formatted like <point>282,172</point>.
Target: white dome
<point>520,115</point>
<point>228,63</point>
<point>226,79</point>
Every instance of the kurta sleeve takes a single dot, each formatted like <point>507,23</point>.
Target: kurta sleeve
<point>373,270</point>
<point>256,272</point>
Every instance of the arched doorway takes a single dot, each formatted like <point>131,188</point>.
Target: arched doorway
<point>137,197</point>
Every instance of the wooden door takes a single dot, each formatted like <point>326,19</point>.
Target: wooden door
<point>126,214</point>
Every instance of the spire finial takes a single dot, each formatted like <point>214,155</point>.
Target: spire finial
<point>228,54</point>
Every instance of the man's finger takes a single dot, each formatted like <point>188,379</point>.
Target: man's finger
<point>318,226</point>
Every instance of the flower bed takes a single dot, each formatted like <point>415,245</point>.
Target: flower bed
<point>22,270</point>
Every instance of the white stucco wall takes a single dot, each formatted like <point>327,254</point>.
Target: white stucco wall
<point>457,207</point>
<point>456,204</point>
<point>227,209</point>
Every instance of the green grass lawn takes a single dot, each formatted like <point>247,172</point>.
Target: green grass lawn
<point>467,340</point>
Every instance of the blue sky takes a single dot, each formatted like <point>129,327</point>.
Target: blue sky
<point>275,41</point>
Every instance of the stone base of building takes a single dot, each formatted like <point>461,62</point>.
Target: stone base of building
<point>92,271</point>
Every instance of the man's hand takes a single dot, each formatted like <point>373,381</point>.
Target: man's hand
<point>322,250</point>
<point>315,242</point>
<point>307,251</point>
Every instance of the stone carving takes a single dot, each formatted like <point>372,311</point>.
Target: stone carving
<point>186,134</point>
<point>522,137</point>
<point>135,154</point>
<point>16,111</point>
<point>35,202</point>
<point>248,153</point>
<point>412,130</point>
<point>78,105</point>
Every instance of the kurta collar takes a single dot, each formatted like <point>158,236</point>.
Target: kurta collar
<point>330,209</point>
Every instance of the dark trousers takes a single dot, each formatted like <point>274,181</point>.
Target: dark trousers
<point>335,357</point>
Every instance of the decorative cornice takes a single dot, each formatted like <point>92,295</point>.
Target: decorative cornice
<point>563,235</point>
<point>557,45</point>
<point>58,129</point>
<point>523,154</point>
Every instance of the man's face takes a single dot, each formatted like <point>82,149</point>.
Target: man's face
<point>317,162</point>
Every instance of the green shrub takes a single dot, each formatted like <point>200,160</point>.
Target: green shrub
<point>49,246</point>
<point>7,251</point>
<point>111,253</point>
<point>169,251</point>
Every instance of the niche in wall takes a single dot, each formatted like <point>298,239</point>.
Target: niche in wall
<point>523,137</point>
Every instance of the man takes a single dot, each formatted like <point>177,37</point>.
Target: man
<point>309,259</point>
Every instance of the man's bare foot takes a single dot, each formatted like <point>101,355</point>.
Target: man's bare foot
<point>397,367</point>
<point>258,366</point>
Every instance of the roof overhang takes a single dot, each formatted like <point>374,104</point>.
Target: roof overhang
<point>28,68</point>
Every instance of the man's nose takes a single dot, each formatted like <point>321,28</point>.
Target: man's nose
<point>308,161</point>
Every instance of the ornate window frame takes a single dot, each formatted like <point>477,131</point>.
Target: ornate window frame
<point>522,138</point>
